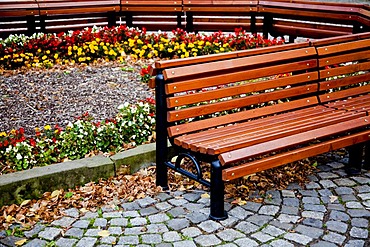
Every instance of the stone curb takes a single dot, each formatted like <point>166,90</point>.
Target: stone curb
<point>18,186</point>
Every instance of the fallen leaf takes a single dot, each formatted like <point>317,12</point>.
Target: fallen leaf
<point>333,198</point>
<point>24,203</point>
<point>206,196</point>
<point>55,193</point>
<point>20,242</point>
<point>104,233</point>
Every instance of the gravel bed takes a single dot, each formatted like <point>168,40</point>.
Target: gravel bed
<point>56,96</point>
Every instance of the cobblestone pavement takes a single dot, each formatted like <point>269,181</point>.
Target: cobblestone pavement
<point>332,210</point>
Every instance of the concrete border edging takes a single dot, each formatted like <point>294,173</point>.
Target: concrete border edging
<point>29,184</point>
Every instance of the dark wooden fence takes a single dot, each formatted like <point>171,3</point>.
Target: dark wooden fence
<point>276,17</point>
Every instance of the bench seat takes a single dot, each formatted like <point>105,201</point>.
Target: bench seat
<point>230,138</point>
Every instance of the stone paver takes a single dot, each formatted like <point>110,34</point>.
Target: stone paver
<point>331,210</point>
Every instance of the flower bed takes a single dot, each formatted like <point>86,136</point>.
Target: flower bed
<point>132,126</point>
<point>135,123</point>
<point>91,44</point>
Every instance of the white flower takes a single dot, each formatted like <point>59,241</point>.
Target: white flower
<point>19,156</point>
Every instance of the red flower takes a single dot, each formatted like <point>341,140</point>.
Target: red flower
<point>32,142</point>
<point>21,130</point>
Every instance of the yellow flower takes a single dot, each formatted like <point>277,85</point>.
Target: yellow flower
<point>13,132</point>
<point>140,42</point>
<point>56,56</point>
<point>75,47</point>
<point>47,52</point>
<point>97,40</point>
<point>39,50</point>
<point>44,57</point>
<point>69,53</point>
<point>2,134</point>
<point>47,127</point>
<point>170,50</point>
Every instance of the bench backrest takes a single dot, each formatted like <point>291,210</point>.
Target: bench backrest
<point>344,68</point>
<point>196,93</point>
<point>289,76</point>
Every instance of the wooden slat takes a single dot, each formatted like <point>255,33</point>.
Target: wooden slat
<point>333,17</point>
<point>289,141</point>
<point>361,103</point>
<point>215,80</point>
<point>192,70</point>
<point>240,116</point>
<point>294,127</point>
<point>295,155</point>
<point>335,40</point>
<point>344,94</point>
<point>334,60</point>
<point>305,32</point>
<point>192,139</point>
<point>344,47</point>
<point>239,103</point>
<point>222,56</point>
<point>344,81</point>
<point>203,140</point>
<point>247,88</point>
<point>344,70</point>
<point>311,6</point>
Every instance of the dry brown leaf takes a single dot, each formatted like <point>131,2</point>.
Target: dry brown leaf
<point>20,242</point>
<point>206,196</point>
<point>25,202</point>
<point>55,193</point>
<point>333,198</point>
<point>104,233</point>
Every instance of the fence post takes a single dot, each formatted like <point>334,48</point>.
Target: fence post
<point>189,22</point>
<point>253,24</point>
<point>111,19</point>
<point>31,24</point>
<point>179,20</point>
<point>128,19</point>
<point>42,23</point>
<point>161,131</point>
<point>267,25</point>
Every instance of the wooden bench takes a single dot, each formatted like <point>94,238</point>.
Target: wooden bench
<point>312,19</point>
<point>215,15</point>
<point>153,15</point>
<point>64,15</point>
<point>17,17</point>
<point>253,110</point>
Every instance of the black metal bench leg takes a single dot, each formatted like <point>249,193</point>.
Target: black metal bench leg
<point>367,156</point>
<point>161,130</point>
<point>217,192</point>
<point>355,159</point>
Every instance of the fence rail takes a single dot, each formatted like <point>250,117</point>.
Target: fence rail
<point>276,17</point>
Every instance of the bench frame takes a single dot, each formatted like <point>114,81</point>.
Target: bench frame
<point>216,183</point>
